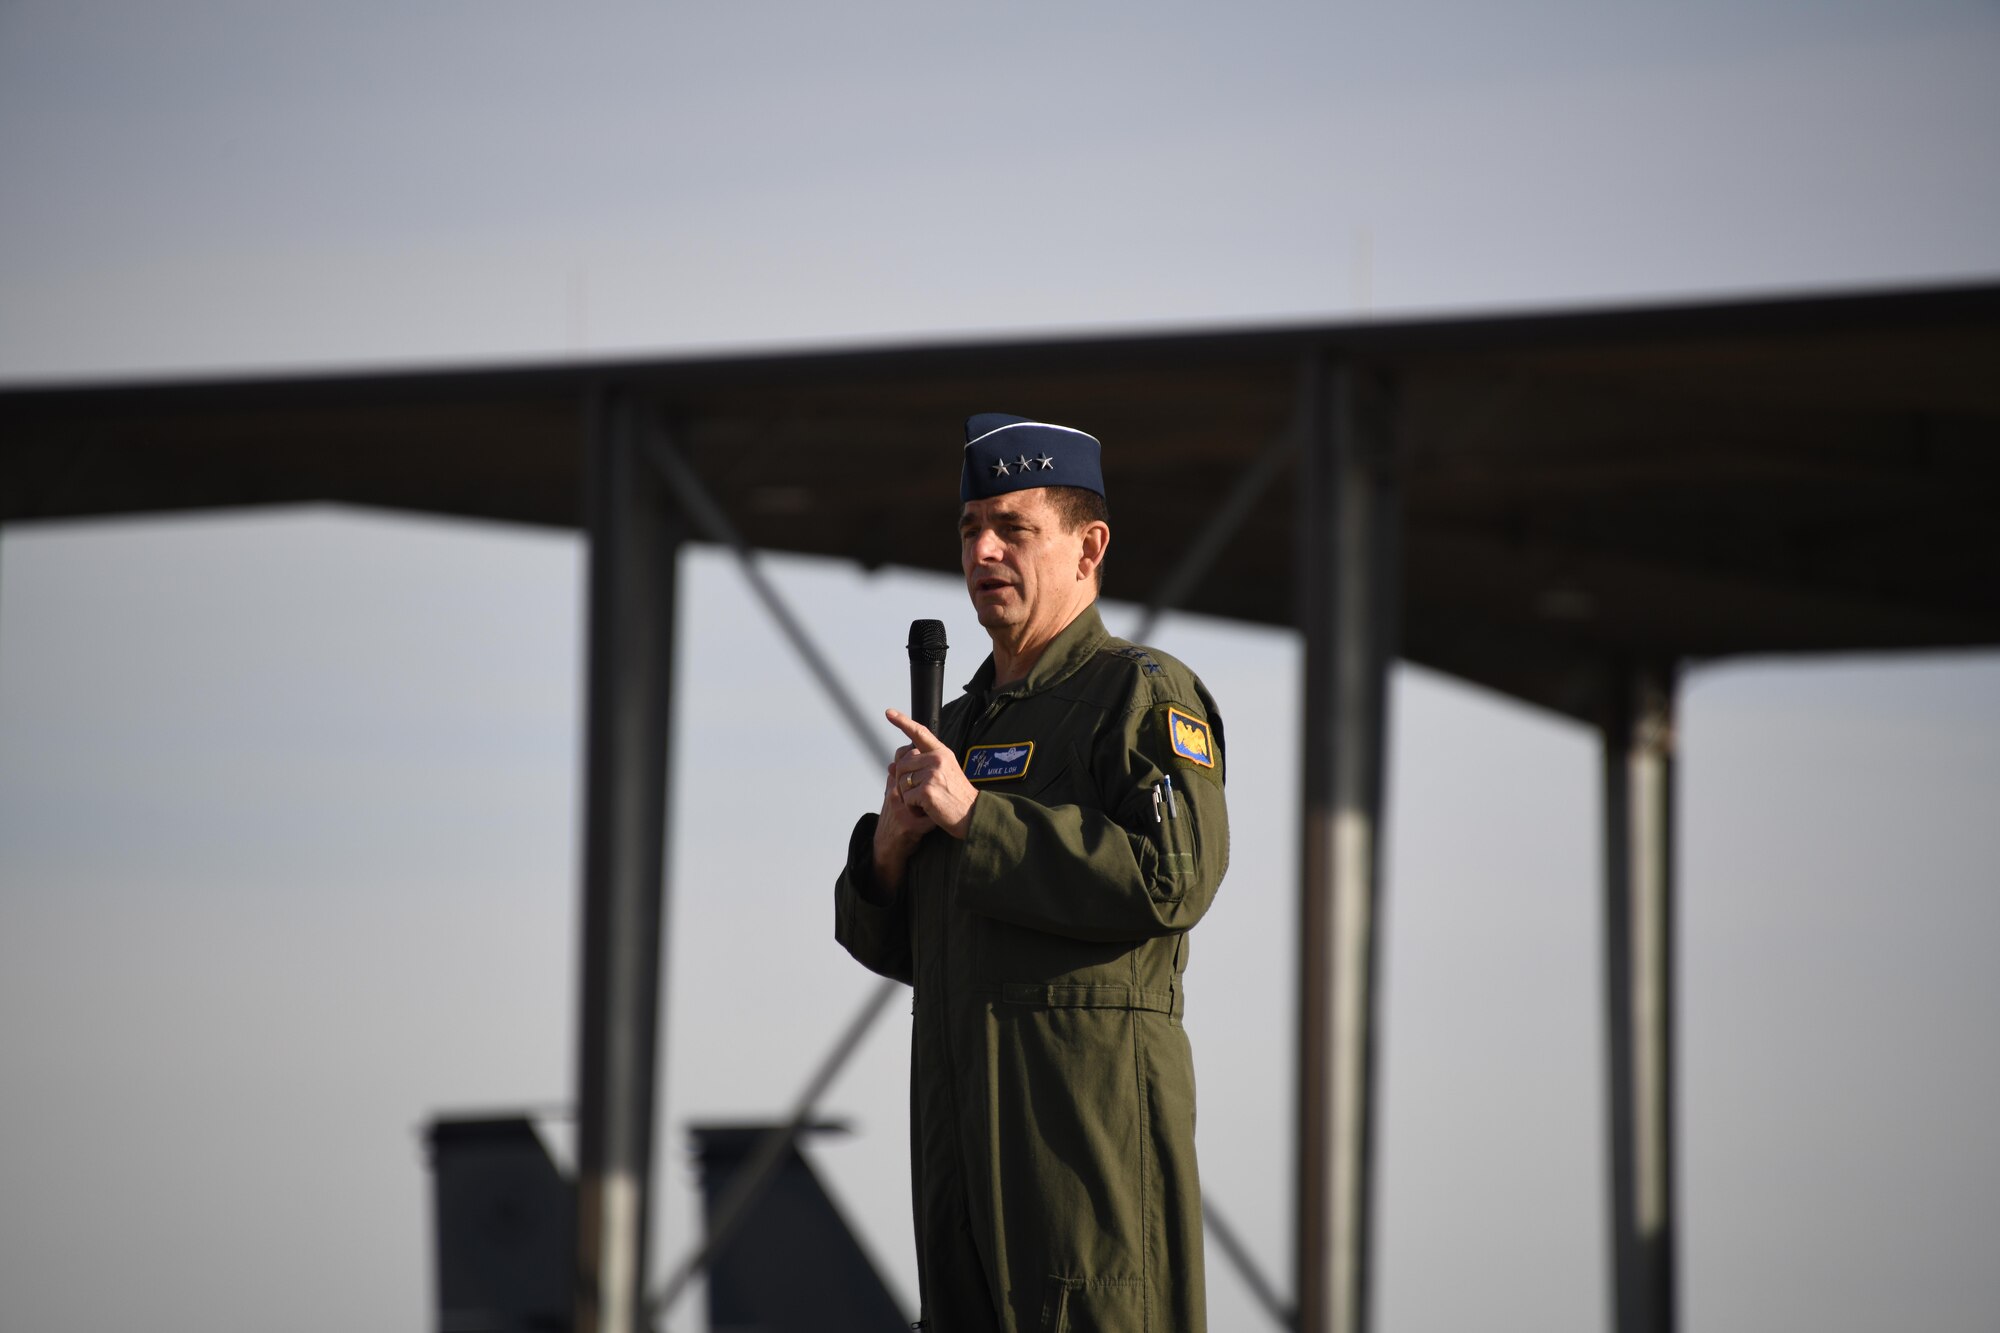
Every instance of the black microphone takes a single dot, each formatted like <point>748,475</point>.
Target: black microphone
<point>927,672</point>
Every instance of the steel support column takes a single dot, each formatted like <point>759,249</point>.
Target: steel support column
<point>634,531</point>
<point>1349,526</point>
<point>1639,995</point>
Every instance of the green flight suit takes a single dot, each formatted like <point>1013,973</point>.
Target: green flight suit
<point>1051,1086</point>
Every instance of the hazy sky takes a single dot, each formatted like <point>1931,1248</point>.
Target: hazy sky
<point>287,799</point>
<point>225,184</point>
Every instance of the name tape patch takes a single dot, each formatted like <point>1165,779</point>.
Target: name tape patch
<point>995,763</point>
<point>1190,738</point>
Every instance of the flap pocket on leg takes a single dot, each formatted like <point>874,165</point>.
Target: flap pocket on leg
<point>1093,1305</point>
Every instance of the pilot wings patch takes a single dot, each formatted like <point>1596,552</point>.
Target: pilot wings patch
<point>996,763</point>
<point>1190,738</point>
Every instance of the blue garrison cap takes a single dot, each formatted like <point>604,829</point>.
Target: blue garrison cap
<point>1004,453</point>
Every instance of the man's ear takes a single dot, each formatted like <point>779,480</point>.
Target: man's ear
<point>1096,541</point>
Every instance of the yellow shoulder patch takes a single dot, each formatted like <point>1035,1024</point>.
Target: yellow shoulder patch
<point>1190,738</point>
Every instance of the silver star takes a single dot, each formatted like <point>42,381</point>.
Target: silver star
<point>1022,462</point>
<point>1000,468</point>
<point>1048,464</point>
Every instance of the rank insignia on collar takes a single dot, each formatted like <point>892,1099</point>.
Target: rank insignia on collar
<point>997,763</point>
<point>1190,738</point>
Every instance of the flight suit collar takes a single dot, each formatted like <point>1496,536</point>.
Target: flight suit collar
<point>1066,653</point>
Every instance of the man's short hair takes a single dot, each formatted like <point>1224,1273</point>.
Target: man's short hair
<point>1075,507</point>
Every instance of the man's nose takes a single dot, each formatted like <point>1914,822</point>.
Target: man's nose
<point>986,547</point>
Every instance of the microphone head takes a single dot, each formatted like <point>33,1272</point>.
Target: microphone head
<point>927,641</point>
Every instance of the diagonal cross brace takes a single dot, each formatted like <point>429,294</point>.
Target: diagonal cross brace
<point>1215,537</point>
<point>708,517</point>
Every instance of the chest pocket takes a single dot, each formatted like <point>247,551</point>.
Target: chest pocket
<point>1050,773</point>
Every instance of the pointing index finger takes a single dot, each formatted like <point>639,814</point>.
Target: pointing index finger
<point>920,735</point>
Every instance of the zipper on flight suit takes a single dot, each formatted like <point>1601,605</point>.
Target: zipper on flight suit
<point>946,1019</point>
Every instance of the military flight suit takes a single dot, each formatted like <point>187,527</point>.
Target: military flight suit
<point>1051,1085</point>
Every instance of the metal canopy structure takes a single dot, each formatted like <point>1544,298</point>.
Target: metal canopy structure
<point>1696,481</point>
<point>1564,508</point>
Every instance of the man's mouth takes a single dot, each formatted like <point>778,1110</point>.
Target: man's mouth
<point>987,585</point>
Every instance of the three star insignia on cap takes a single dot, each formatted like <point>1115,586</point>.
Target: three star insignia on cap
<point>1002,468</point>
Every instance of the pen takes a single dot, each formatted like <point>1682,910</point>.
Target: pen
<point>1173,807</point>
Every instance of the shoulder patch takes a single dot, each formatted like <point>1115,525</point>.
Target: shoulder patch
<point>997,763</point>
<point>1190,738</point>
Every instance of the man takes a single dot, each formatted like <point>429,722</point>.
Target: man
<point>1033,873</point>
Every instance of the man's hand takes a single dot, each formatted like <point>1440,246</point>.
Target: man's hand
<point>927,777</point>
<point>897,832</point>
